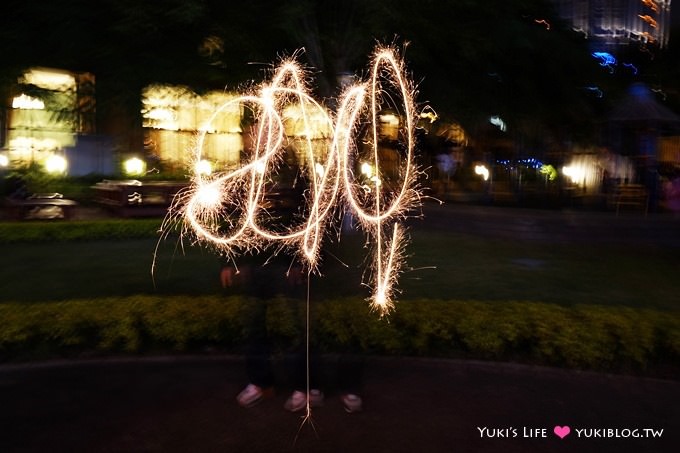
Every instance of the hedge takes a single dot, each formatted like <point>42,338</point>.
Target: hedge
<point>78,230</point>
<point>616,339</point>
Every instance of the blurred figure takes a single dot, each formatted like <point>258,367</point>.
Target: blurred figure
<point>672,193</point>
<point>263,282</point>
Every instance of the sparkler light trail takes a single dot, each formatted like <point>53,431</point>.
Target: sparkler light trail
<point>229,210</point>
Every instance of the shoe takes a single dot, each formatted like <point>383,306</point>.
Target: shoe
<point>252,394</point>
<point>298,400</point>
<point>352,402</point>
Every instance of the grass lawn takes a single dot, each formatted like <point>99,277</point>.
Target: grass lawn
<point>440,265</point>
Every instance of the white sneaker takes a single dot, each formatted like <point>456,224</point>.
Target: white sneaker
<point>298,400</point>
<point>252,394</point>
<point>352,402</point>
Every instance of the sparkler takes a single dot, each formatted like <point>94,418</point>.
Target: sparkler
<point>228,210</point>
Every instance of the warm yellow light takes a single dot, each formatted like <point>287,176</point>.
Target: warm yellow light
<point>55,164</point>
<point>4,160</point>
<point>575,173</point>
<point>482,171</point>
<point>549,171</point>
<point>428,113</point>
<point>26,102</point>
<point>203,167</point>
<point>390,119</point>
<point>302,120</point>
<point>50,79</point>
<point>208,196</point>
<point>30,144</point>
<point>366,169</point>
<point>135,166</point>
<point>319,170</point>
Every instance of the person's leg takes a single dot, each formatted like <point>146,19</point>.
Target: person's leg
<point>257,352</point>
<point>305,372</point>
<point>350,381</point>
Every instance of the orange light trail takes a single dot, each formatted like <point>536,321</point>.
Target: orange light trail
<point>228,211</point>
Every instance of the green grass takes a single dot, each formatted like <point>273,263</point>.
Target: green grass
<point>439,266</point>
<point>88,287</point>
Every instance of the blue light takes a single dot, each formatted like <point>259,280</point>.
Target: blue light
<point>632,66</point>
<point>607,60</point>
<point>597,90</point>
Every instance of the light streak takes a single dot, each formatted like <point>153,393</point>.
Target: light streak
<point>482,171</point>
<point>597,91</point>
<point>543,22</point>
<point>228,211</point>
<point>651,4</point>
<point>632,67</point>
<point>649,19</point>
<point>607,60</point>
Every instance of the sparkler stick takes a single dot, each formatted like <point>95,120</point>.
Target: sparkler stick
<point>228,210</point>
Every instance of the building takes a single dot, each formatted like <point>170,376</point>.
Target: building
<point>50,114</point>
<point>619,21</point>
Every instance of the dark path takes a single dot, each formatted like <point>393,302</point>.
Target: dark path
<point>188,405</point>
<point>520,224</point>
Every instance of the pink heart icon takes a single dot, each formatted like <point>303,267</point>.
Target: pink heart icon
<point>562,431</point>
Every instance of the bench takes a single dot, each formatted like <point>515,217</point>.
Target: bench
<point>132,198</point>
<point>631,195</point>
<point>40,206</point>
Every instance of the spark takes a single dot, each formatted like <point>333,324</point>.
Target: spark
<point>228,211</point>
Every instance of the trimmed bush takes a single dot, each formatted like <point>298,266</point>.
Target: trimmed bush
<point>78,230</point>
<point>582,337</point>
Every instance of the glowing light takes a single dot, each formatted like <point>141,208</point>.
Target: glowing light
<point>596,90</point>
<point>543,22</point>
<point>366,170</point>
<point>607,60</point>
<point>632,67</point>
<point>209,196</point>
<point>203,167</point>
<point>482,171</point>
<point>390,119</point>
<point>49,79</point>
<point>651,4</point>
<point>163,118</point>
<point>576,173</point>
<point>4,160</point>
<point>549,171</point>
<point>428,113</point>
<point>260,167</point>
<point>135,166</point>
<point>237,221</point>
<point>497,121</point>
<point>649,19</point>
<point>26,102</point>
<point>320,171</point>
<point>56,164</point>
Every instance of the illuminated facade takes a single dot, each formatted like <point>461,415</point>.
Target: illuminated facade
<point>619,21</point>
<point>49,109</point>
<point>52,113</point>
<point>172,117</point>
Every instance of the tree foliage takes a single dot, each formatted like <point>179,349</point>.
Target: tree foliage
<point>470,59</point>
